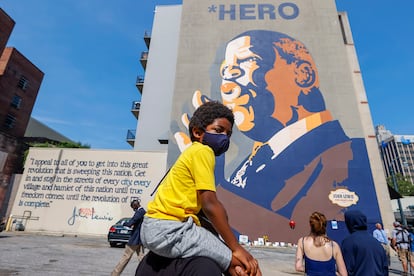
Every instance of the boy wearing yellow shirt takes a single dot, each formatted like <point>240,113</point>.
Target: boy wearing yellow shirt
<point>171,227</point>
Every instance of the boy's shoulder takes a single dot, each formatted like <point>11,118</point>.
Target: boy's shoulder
<point>196,147</point>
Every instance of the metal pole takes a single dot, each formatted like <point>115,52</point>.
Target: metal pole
<point>394,181</point>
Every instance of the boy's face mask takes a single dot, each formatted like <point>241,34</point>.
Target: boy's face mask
<point>217,141</point>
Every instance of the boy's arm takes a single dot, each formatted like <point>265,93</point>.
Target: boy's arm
<point>216,213</point>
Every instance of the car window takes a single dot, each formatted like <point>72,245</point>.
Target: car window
<point>121,221</point>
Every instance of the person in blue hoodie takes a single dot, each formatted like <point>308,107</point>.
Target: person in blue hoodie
<point>362,253</point>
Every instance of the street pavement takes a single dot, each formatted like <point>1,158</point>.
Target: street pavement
<point>23,253</point>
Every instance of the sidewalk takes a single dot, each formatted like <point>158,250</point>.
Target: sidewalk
<point>281,261</point>
<point>31,254</point>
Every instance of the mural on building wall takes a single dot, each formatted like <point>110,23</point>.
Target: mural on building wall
<point>83,191</point>
<point>301,160</point>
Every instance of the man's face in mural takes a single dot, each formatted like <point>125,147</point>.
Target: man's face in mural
<point>262,87</point>
<point>252,87</point>
<point>238,88</point>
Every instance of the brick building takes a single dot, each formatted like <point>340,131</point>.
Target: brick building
<point>20,82</point>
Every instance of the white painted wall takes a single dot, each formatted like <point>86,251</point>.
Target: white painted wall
<point>83,191</point>
<point>154,119</point>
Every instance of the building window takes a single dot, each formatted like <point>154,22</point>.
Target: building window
<point>16,101</point>
<point>10,121</point>
<point>23,83</point>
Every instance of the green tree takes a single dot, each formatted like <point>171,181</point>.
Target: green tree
<point>60,145</point>
<point>54,145</point>
<point>405,188</point>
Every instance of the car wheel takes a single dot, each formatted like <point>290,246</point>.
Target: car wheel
<point>112,244</point>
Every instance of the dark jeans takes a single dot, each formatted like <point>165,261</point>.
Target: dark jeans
<point>153,264</point>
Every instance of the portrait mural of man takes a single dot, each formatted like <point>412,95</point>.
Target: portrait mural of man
<point>302,160</point>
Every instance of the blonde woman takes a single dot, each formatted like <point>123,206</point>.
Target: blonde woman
<point>316,254</point>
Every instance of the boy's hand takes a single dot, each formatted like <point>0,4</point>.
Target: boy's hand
<point>236,269</point>
<point>240,271</point>
<point>247,260</point>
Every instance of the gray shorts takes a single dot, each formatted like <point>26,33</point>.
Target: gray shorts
<point>176,239</point>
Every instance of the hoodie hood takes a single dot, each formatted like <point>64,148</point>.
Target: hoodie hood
<point>355,221</point>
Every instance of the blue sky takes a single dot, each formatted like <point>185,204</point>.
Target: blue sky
<point>89,51</point>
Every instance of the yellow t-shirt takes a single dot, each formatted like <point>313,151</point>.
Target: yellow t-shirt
<point>176,197</point>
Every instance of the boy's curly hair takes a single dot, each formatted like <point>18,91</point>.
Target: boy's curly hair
<point>206,114</point>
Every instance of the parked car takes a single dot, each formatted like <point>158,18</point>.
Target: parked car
<point>118,234</point>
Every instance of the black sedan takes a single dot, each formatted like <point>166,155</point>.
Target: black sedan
<point>119,234</point>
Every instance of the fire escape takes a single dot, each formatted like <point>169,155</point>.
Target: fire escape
<point>136,105</point>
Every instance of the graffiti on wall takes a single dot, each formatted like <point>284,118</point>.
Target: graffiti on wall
<point>79,187</point>
<point>51,180</point>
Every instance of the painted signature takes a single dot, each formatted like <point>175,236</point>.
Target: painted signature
<point>87,213</point>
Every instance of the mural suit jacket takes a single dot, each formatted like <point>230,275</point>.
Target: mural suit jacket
<point>289,186</point>
<point>136,222</point>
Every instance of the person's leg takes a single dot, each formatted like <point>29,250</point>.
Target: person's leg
<point>126,256</point>
<point>201,242</point>
<point>402,254</point>
<point>387,252</point>
<point>409,261</point>
<point>412,259</point>
<point>174,239</point>
<point>200,266</point>
<point>140,253</point>
<point>155,265</point>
